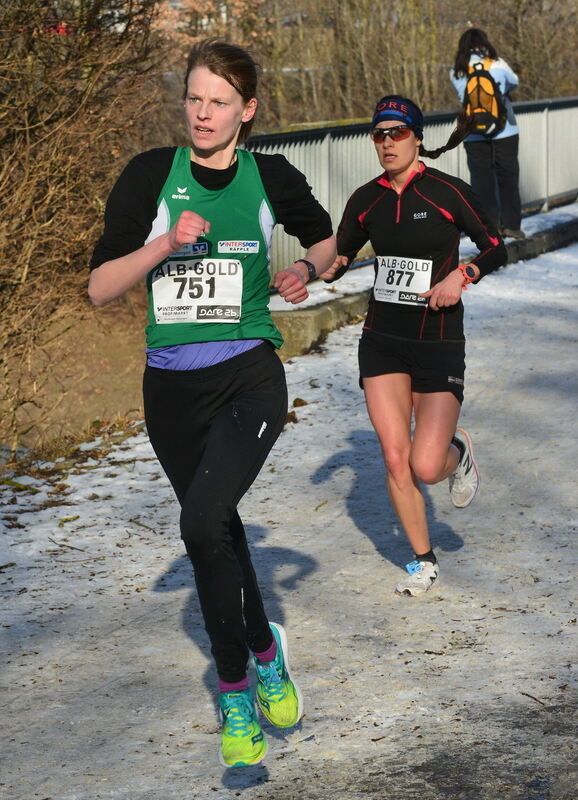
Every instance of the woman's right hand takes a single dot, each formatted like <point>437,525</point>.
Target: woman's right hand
<point>113,278</point>
<point>339,266</point>
<point>187,230</point>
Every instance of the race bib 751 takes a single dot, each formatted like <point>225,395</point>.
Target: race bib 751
<point>198,290</point>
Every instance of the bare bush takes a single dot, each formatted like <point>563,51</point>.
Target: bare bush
<point>76,93</point>
<point>332,59</point>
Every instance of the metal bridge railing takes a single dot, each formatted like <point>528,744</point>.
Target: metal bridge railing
<point>336,160</point>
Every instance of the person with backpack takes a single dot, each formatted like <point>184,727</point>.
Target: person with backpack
<point>412,348</point>
<point>196,222</point>
<point>483,82</point>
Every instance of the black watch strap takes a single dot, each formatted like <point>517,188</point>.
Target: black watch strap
<point>311,269</point>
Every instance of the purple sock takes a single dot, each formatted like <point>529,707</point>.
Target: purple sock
<point>269,654</point>
<point>238,686</point>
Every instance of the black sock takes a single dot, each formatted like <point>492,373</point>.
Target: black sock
<point>460,445</point>
<point>429,556</point>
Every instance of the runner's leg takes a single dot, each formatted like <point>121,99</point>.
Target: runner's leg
<point>239,440</point>
<point>212,459</point>
<point>253,610</point>
<point>433,457</point>
<point>389,404</point>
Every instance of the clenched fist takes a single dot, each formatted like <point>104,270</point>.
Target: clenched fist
<point>187,229</point>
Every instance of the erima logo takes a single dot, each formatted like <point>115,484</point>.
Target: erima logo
<point>420,215</point>
<point>180,195</point>
<point>451,379</point>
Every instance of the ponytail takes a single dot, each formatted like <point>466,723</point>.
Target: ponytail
<point>463,128</point>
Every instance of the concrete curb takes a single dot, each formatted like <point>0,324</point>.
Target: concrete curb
<point>560,235</point>
<point>305,329</point>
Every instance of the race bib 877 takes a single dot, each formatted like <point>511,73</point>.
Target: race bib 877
<point>402,280</point>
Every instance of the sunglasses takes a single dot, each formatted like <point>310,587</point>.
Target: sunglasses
<point>398,133</point>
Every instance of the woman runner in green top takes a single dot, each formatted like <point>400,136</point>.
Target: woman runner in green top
<point>196,222</point>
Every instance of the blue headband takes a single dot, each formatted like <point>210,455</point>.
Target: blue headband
<point>401,109</point>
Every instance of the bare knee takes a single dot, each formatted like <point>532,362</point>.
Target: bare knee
<point>426,468</point>
<point>397,465</point>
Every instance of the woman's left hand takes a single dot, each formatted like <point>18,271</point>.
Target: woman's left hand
<point>291,285</point>
<point>447,292</point>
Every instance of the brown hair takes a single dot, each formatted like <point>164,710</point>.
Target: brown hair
<point>463,128</point>
<point>230,62</point>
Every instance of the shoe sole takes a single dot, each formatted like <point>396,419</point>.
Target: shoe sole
<point>285,650</point>
<point>408,592</point>
<point>238,764</point>
<point>466,436</point>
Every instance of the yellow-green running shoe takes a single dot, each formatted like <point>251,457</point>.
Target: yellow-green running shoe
<point>243,742</point>
<point>278,696</point>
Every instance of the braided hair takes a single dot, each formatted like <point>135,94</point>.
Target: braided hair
<point>463,128</point>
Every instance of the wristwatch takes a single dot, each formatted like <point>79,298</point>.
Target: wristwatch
<point>468,272</point>
<point>311,269</point>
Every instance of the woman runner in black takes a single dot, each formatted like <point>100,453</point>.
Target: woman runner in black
<point>196,222</point>
<point>412,349</point>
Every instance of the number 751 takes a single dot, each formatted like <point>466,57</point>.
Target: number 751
<point>196,288</point>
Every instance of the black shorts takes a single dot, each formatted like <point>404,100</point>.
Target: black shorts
<point>434,366</point>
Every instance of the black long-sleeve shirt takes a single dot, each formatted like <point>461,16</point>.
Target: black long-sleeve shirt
<point>425,221</point>
<point>132,203</point>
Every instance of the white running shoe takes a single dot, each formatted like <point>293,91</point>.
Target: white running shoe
<point>465,481</point>
<point>421,576</point>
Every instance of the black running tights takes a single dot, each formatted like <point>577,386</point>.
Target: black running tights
<point>212,430</point>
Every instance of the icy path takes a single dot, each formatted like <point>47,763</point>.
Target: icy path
<point>107,688</point>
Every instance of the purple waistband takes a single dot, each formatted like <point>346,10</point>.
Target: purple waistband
<point>198,354</point>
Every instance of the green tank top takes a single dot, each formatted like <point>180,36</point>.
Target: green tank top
<point>218,288</point>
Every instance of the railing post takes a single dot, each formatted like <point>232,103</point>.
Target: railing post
<point>329,141</point>
<point>546,156</point>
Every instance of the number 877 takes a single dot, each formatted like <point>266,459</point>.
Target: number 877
<point>391,273</point>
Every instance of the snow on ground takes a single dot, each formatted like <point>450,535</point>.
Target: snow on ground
<point>108,687</point>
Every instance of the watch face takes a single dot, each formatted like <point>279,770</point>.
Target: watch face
<point>470,272</point>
